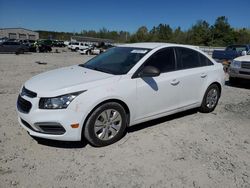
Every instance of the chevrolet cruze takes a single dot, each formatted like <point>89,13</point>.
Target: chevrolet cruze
<point>124,86</point>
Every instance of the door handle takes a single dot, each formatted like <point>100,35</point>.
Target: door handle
<point>203,75</point>
<point>175,82</point>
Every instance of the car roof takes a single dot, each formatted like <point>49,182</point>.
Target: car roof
<point>152,45</point>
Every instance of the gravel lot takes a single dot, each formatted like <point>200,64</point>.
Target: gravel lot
<point>189,149</point>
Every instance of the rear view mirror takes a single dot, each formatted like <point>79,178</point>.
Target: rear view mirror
<point>149,71</point>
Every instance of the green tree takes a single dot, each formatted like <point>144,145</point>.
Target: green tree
<point>242,36</point>
<point>222,33</point>
<point>200,33</point>
<point>141,35</point>
<point>161,33</point>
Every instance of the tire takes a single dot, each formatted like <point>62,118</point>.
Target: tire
<point>210,99</point>
<point>76,49</point>
<point>88,52</point>
<point>100,129</point>
<point>19,51</point>
<point>232,80</point>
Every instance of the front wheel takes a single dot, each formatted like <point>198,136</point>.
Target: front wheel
<point>210,99</point>
<point>106,124</point>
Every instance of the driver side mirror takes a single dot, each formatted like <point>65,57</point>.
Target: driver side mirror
<point>149,71</point>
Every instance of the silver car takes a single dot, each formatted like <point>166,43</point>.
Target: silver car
<point>240,68</point>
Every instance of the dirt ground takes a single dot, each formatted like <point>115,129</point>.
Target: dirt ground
<point>189,149</point>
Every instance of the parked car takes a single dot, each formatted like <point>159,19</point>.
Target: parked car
<point>45,42</point>
<point>240,68</point>
<point>230,52</point>
<point>3,39</point>
<point>121,87</point>
<point>90,51</point>
<point>75,46</point>
<point>96,51</point>
<point>13,47</point>
<point>93,50</point>
<point>39,47</point>
<point>58,43</point>
<point>86,51</point>
<point>66,43</point>
<point>69,45</point>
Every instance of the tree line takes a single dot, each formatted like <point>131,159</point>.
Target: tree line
<point>221,33</point>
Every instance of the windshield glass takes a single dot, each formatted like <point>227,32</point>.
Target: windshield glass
<point>118,60</point>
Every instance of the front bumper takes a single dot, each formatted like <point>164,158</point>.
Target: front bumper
<point>50,124</point>
<point>239,73</point>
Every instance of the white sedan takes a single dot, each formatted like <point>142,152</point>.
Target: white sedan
<point>123,86</point>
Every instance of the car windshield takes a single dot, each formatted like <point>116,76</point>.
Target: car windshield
<point>237,48</point>
<point>118,60</point>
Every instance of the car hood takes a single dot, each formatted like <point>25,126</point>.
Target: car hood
<point>243,58</point>
<point>67,80</point>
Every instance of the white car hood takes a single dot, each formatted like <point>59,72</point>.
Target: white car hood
<point>65,80</point>
<point>243,58</point>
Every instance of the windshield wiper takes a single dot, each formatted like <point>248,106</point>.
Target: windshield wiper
<point>103,70</point>
<point>97,69</point>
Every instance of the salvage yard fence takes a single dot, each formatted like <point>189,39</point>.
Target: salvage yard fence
<point>209,50</point>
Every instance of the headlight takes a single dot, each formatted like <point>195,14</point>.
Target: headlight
<point>59,102</point>
<point>236,64</point>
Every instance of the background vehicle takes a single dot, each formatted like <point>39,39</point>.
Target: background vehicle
<point>46,42</point>
<point>239,68</point>
<point>95,50</point>
<point>100,98</point>
<point>230,52</point>
<point>58,43</point>
<point>66,43</point>
<point>86,51</point>
<point>3,39</point>
<point>75,46</point>
<point>91,51</point>
<point>14,47</point>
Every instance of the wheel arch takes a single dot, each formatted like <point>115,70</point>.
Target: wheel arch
<point>122,103</point>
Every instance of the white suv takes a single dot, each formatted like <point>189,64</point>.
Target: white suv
<point>123,86</point>
<point>75,46</point>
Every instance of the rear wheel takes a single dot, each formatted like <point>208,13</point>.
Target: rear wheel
<point>106,124</point>
<point>210,99</point>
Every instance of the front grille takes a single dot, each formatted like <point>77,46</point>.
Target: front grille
<point>23,105</point>
<point>243,72</point>
<point>28,93</point>
<point>50,128</point>
<point>245,65</point>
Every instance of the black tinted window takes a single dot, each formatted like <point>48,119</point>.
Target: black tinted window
<point>204,61</point>
<point>163,60</point>
<point>187,58</point>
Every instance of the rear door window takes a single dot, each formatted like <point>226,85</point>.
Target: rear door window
<point>187,58</point>
<point>204,61</point>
